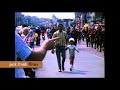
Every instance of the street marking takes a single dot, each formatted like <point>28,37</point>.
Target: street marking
<point>94,55</point>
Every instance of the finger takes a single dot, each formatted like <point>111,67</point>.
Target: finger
<point>56,38</point>
<point>54,42</point>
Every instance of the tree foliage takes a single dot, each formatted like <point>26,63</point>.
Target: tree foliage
<point>29,20</point>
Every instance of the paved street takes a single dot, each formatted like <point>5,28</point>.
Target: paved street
<point>88,64</point>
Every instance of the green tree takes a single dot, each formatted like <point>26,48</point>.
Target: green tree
<point>21,19</point>
<point>18,18</point>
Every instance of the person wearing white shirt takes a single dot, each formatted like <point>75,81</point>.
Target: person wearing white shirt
<point>72,48</point>
<point>32,39</point>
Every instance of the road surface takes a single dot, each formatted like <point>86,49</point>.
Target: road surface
<point>88,63</point>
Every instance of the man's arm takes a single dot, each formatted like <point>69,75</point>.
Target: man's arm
<point>54,35</point>
<point>39,54</point>
<point>25,53</point>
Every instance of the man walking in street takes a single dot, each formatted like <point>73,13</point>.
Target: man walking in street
<point>60,46</point>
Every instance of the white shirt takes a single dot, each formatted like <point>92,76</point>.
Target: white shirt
<point>72,49</point>
<point>31,39</point>
<point>23,36</point>
<point>48,30</point>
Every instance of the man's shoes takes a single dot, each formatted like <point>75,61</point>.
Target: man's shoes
<point>71,68</point>
<point>63,68</point>
<point>59,70</point>
<point>27,77</point>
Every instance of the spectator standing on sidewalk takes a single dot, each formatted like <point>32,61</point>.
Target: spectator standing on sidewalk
<point>68,34</point>
<point>103,35</point>
<point>48,32</point>
<point>52,31</point>
<point>25,35</point>
<point>74,34</point>
<point>32,39</point>
<point>38,31</point>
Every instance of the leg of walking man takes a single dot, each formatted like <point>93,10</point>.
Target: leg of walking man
<point>58,58</point>
<point>63,57</point>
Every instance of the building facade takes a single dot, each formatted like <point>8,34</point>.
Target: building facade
<point>54,19</point>
<point>67,23</point>
<point>81,17</point>
<point>89,17</point>
<point>98,17</point>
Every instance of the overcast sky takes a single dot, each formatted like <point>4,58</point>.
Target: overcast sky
<point>61,15</point>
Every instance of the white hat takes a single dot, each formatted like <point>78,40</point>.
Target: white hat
<point>71,39</point>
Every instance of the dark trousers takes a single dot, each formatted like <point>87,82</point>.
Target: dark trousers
<point>83,37</point>
<point>37,40</point>
<point>88,42</point>
<point>99,45</point>
<point>60,51</point>
<point>28,71</point>
<point>95,42</point>
<point>92,42</point>
<point>32,45</point>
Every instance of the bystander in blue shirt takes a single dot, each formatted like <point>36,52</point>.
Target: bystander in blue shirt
<point>22,50</point>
